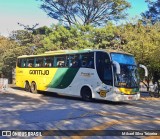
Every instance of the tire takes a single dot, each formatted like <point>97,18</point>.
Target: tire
<point>27,87</point>
<point>86,94</point>
<point>34,88</point>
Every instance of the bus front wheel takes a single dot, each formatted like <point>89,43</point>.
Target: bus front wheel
<point>33,87</point>
<point>86,94</point>
<point>27,86</point>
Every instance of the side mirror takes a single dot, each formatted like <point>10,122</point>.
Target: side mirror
<point>145,69</point>
<point>118,68</point>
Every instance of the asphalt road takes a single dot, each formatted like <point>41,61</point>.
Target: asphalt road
<point>20,110</point>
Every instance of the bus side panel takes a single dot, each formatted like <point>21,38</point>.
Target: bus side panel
<point>41,76</point>
<point>79,78</point>
<point>63,78</point>
<point>89,77</point>
<point>20,77</point>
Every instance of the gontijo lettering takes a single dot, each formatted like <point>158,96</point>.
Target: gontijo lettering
<point>39,72</point>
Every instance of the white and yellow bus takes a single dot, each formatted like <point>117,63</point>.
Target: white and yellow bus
<point>90,74</point>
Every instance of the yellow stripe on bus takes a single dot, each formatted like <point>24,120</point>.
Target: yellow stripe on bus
<point>126,91</point>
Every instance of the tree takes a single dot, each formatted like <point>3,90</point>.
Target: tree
<point>143,42</point>
<point>4,46</point>
<point>153,12</point>
<point>32,41</point>
<point>22,37</point>
<point>105,37</point>
<point>20,42</point>
<point>8,54</point>
<point>75,37</point>
<point>96,12</point>
<point>42,31</point>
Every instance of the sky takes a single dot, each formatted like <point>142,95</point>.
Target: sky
<point>28,12</point>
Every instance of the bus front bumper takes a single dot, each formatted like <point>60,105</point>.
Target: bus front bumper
<point>123,97</point>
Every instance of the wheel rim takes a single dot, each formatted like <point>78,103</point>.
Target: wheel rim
<point>33,87</point>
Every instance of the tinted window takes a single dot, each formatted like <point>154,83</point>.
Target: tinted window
<point>73,61</point>
<point>48,61</point>
<point>87,60</point>
<point>104,69</point>
<point>60,61</point>
<point>30,62</point>
<point>21,63</point>
<point>24,63</point>
<point>39,62</point>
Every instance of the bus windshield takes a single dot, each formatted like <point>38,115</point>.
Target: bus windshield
<point>128,77</point>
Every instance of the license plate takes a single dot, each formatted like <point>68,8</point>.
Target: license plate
<point>130,97</point>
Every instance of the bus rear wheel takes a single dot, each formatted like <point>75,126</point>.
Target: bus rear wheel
<point>34,88</point>
<point>27,86</point>
<point>86,94</point>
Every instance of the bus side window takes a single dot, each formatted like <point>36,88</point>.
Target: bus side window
<point>48,61</point>
<point>87,60</point>
<point>73,61</point>
<point>23,63</point>
<point>30,62</point>
<point>39,62</point>
<point>60,61</point>
<point>55,61</point>
<point>84,63</point>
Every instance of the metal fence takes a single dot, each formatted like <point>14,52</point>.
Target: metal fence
<point>3,84</point>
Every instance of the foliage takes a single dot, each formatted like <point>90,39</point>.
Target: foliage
<point>153,12</point>
<point>42,31</point>
<point>20,42</point>
<point>22,37</point>
<point>9,50</point>
<point>81,37</point>
<point>85,12</point>
<point>106,37</point>
<point>75,37</point>
<point>143,42</point>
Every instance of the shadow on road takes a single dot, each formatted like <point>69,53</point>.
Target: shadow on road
<point>56,95</point>
<point>51,94</point>
<point>17,88</point>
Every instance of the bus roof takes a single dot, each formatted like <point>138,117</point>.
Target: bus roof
<point>50,53</point>
<point>117,51</point>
